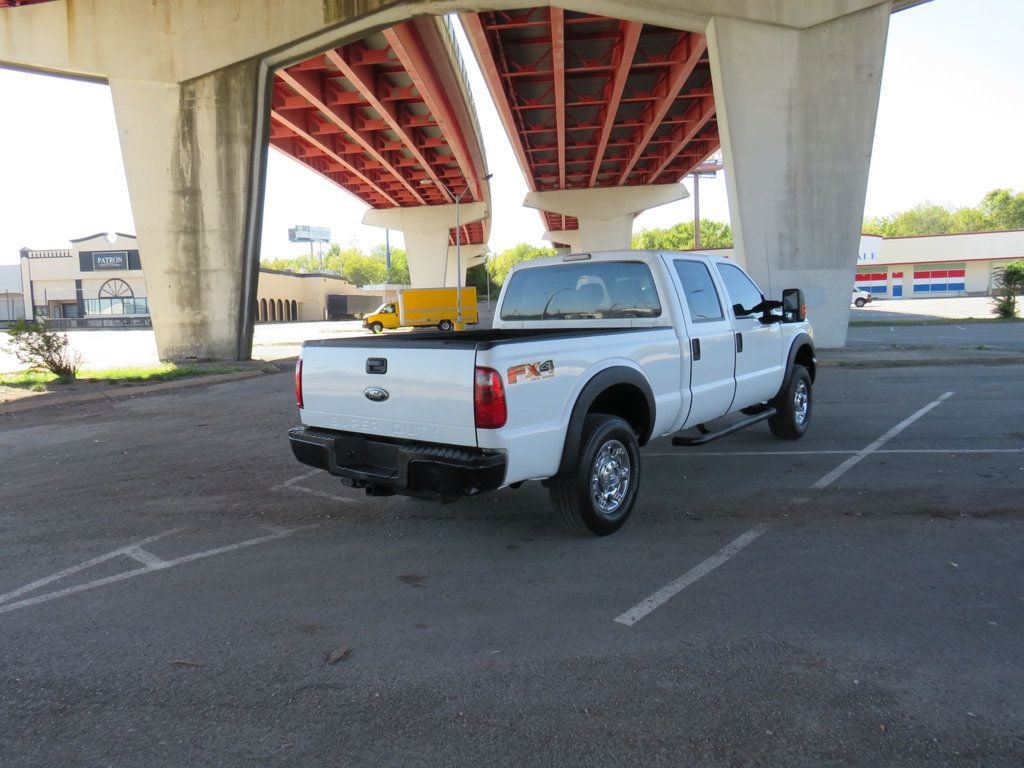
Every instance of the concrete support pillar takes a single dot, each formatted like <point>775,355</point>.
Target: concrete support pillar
<point>188,155</point>
<point>605,216</point>
<point>432,261</point>
<point>796,170</point>
<point>569,237</point>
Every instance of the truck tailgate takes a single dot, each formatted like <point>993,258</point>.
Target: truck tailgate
<point>409,391</point>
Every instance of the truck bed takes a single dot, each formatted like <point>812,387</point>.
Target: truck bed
<point>477,339</point>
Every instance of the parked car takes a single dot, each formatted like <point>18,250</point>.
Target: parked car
<point>860,297</point>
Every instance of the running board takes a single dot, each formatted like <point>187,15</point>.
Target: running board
<point>707,437</point>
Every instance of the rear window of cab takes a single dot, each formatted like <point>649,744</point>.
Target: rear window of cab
<point>582,291</point>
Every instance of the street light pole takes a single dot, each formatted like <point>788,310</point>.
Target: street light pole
<point>458,259</point>
<point>458,242</point>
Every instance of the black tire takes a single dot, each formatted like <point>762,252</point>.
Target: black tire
<point>598,496</point>
<point>860,302</point>
<point>376,327</point>
<point>445,325</point>
<point>793,406</point>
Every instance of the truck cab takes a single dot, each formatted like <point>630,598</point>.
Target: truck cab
<point>384,316</point>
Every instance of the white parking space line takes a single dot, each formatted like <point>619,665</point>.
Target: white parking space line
<point>851,462</point>
<point>82,566</point>
<point>321,494</point>
<point>133,551</point>
<point>666,593</point>
<point>145,557</point>
<point>290,485</point>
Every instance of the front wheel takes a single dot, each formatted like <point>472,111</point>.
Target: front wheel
<point>793,407</point>
<point>445,325</point>
<point>598,495</point>
<point>860,302</point>
<point>376,327</point>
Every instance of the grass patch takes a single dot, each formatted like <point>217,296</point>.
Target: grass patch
<point>40,380</point>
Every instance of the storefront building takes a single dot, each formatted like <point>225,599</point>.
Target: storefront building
<point>97,282</point>
<point>12,302</point>
<point>933,266</point>
<point>287,297</point>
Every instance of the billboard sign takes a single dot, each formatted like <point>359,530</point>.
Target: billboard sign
<point>301,233</point>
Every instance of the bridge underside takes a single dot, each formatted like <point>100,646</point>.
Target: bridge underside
<point>605,114</point>
<point>591,102</point>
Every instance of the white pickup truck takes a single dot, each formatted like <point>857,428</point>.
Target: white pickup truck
<point>590,357</point>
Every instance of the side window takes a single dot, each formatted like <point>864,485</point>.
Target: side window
<point>699,288</point>
<point>740,288</point>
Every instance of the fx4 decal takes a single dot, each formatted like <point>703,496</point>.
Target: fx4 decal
<point>531,371</point>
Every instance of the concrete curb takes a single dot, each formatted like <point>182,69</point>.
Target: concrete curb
<point>876,363</point>
<point>34,403</point>
<point>867,361</point>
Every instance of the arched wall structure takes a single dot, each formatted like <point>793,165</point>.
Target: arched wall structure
<point>796,93</point>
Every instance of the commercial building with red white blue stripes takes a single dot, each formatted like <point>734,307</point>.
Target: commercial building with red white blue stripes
<point>936,265</point>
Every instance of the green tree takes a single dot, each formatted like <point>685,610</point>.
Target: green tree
<point>923,219</point>
<point>295,263</point>
<point>364,270</point>
<point>1003,209</point>
<point>477,276</point>
<point>1000,209</point>
<point>969,220</point>
<point>336,257</point>
<point>500,264</point>
<point>399,262</point>
<point>713,234</point>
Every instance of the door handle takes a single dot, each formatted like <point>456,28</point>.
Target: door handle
<point>739,342</point>
<point>695,348</point>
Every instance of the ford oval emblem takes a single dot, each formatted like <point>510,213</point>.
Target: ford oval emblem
<point>377,394</point>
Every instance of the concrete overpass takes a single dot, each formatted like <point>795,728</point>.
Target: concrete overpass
<point>201,88</point>
<point>389,119</point>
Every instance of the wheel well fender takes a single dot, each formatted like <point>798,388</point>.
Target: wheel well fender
<point>618,391</point>
<point>801,352</point>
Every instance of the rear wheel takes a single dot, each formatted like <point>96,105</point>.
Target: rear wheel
<point>793,406</point>
<point>376,327</point>
<point>445,325</point>
<point>598,495</point>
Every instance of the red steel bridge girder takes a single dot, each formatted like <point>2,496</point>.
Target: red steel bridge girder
<point>589,101</point>
<point>383,118</point>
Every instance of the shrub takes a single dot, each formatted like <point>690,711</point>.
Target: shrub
<point>36,345</point>
<point>1010,281</point>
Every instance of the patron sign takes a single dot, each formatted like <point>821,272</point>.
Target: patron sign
<point>110,260</point>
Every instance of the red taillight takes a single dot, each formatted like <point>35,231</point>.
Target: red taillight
<point>298,383</point>
<point>488,399</point>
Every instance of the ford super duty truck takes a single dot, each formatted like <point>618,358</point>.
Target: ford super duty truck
<point>590,356</point>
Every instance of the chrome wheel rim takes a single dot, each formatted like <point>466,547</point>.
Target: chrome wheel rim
<point>609,478</point>
<point>801,403</point>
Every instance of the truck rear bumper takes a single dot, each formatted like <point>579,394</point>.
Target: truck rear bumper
<point>384,466</point>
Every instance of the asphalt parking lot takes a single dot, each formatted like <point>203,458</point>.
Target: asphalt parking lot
<point>176,590</point>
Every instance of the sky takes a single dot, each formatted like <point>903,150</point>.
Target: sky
<point>951,80</point>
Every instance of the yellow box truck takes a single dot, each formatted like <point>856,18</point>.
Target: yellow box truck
<point>423,307</point>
